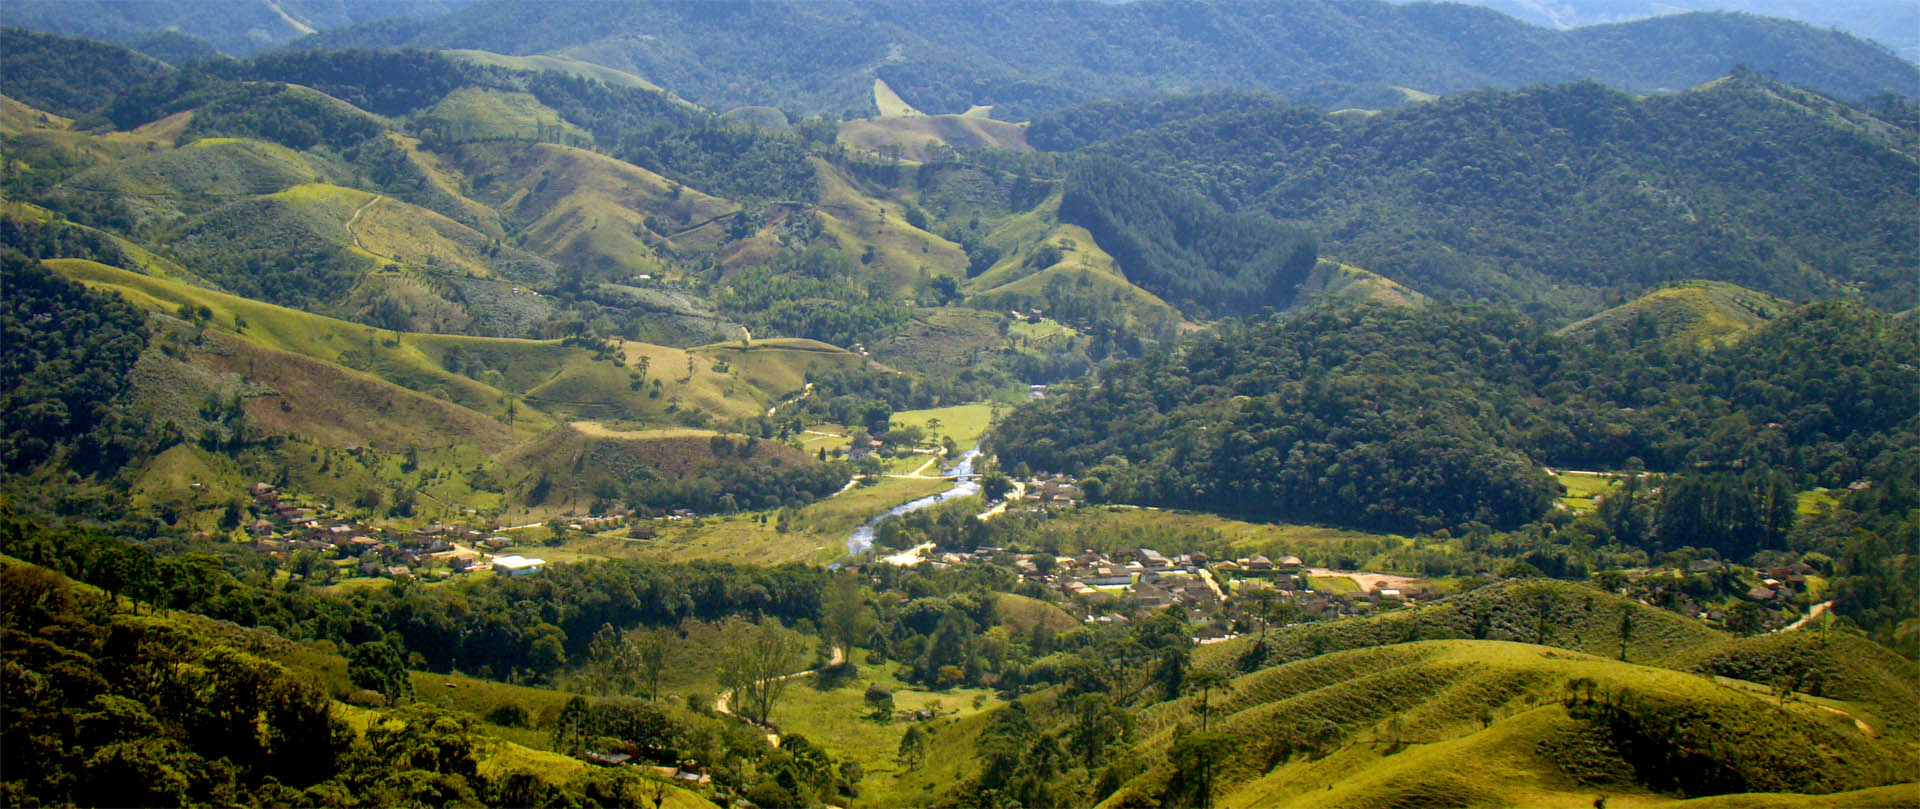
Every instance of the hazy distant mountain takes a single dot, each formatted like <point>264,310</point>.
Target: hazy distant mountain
<point>1893,23</point>
<point>236,27</point>
<point>946,56</point>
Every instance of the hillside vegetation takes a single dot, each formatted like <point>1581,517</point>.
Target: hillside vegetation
<point>1554,198</point>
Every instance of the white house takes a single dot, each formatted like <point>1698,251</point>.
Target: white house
<point>516,565</point>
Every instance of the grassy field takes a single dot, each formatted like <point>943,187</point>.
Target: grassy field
<point>836,720</point>
<point>1174,531</point>
<point>889,103</point>
<point>818,532</point>
<point>1333,584</point>
<point>966,423</point>
<point>1582,488</point>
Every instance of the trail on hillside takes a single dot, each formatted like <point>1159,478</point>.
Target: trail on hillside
<point>1813,613</point>
<point>355,218</point>
<point>723,704</point>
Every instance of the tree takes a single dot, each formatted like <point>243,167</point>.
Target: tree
<point>377,667</point>
<point>879,703</point>
<point>1205,681</point>
<point>654,649</point>
<point>755,660</point>
<point>913,748</point>
<point>1195,757</point>
<point>846,620</point>
<point>995,485</point>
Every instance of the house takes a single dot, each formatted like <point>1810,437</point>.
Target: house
<point>605,759</point>
<point>516,565</point>
<point>260,528</point>
<point>1388,594</point>
<point>1259,564</point>
<point>1150,558</point>
<point>1288,564</point>
<point>1152,597</point>
<point>1761,592</point>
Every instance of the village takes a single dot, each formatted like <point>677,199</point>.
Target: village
<point>1220,596</point>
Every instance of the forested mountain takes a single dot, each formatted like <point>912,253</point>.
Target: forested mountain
<point>1025,58</point>
<point>1888,22</point>
<point>1526,196</point>
<point>233,27</point>
<point>1419,419</point>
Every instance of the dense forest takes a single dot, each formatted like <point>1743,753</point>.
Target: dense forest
<point>1523,196</point>
<point>1181,247</point>
<point>1421,419</point>
<point>67,358</point>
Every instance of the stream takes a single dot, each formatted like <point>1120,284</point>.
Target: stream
<point>966,486</point>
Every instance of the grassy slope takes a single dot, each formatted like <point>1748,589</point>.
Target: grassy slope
<point>835,719</point>
<point>1693,313</point>
<point>856,220</point>
<point>1020,614</point>
<point>1333,282</point>
<point>918,135</point>
<point>587,209</point>
<point>16,117</point>
<point>890,104</point>
<point>1082,259</point>
<point>479,114</point>
<point>557,64</point>
<point>1531,754</point>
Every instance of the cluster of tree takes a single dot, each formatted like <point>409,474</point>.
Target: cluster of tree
<point>66,76</point>
<point>729,487</point>
<point>68,354</point>
<point>797,773</point>
<point>1420,419</point>
<point>810,296</point>
<point>506,626</point>
<point>37,240</point>
<point>111,708</point>
<point>1521,195</point>
<point>284,115</point>
<point>1183,248</point>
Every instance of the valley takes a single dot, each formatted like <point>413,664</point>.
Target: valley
<point>870,404</point>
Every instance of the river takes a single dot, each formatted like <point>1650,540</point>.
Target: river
<point>966,486</point>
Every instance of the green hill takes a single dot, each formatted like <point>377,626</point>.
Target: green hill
<point>1697,314</point>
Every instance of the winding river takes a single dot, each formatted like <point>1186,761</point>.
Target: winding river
<point>965,485</point>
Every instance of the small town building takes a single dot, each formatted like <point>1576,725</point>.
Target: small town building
<point>516,565</point>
